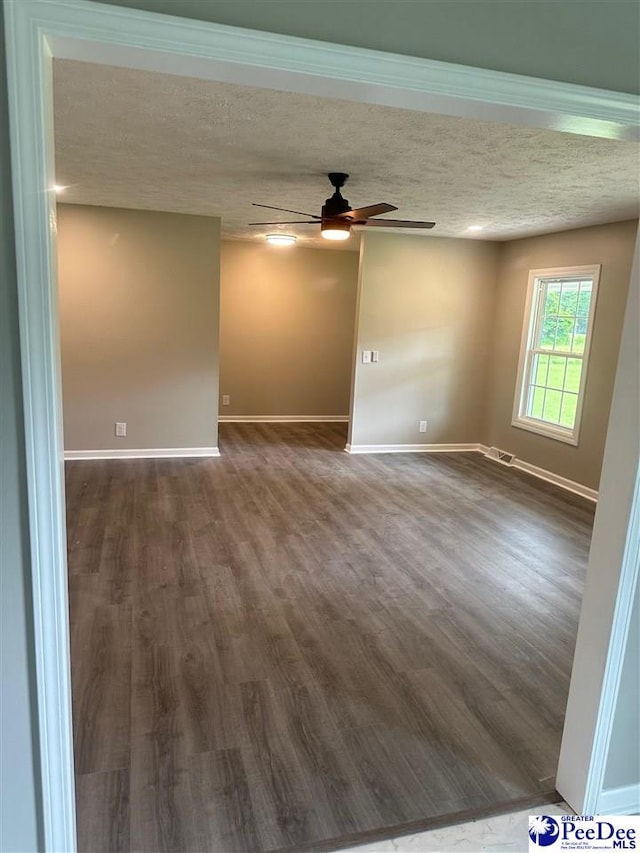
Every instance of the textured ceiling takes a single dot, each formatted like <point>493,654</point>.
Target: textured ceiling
<point>137,139</point>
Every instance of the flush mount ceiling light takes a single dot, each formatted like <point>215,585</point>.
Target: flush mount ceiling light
<point>280,239</point>
<point>58,188</point>
<point>475,228</point>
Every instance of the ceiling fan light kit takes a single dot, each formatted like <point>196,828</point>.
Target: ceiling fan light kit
<point>335,230</point>
<point>337,216</point>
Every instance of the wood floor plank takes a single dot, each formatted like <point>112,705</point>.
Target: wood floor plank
<point>101,681</point>
<point>284,808</point>
<point>336,787</point>
<point>162,814</point>
<point>209,706</point>
<point>103,808</point>
<point>86,534</point>
<point>221,797</point>
<point>474,751</point>
<point>399,794</point>
<point>288,645</point>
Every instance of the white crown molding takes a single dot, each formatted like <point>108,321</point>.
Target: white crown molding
<point>556,479</point>
<point>283,419</point>
<point>414,448</point>
<point>144,453</point>
<point>619,801</point>
<point>136,39</point>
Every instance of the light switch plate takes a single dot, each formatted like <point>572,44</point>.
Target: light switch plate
<point>366,356</point>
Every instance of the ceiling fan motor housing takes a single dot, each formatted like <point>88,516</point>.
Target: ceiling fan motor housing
<point>336,204</point>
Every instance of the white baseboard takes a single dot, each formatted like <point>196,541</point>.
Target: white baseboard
<point>414,448</point>
<point>283,419</point>
<point>622,801</point>
<point>534,470</point>
<point>144,453</point>
<point>556,479</point>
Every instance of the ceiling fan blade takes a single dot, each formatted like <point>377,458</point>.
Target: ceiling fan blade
<point>366,212</point>
<point>291,222</point>
<point>393,223</point>
<point>286,210</point>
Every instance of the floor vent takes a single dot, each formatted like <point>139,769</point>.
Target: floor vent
<point>500,456</point>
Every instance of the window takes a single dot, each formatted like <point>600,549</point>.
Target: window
<point>555,351</point>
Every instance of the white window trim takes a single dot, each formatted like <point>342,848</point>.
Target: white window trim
<point>522,421</point>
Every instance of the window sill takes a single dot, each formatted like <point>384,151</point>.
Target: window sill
<point>548,430</point>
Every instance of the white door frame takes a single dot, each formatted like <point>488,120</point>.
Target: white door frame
<point>36,31</point>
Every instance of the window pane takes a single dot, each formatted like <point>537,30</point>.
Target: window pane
<point>564,334</point>
<point>569,298</point>
<point>584,299</point>
<point>552,297</point>
<point>547,334</point>
<point>557,370</point>
<point>540,369</point>
<point>552,404</point>
<point>568,410</point>
<point>574,372</point>
<point>579,337</point>
<point>536,402</point>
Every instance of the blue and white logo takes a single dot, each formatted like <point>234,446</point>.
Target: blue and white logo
<point>543,830</point>
<point>580,833</point>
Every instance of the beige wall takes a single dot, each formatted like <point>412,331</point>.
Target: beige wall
<point>286,329</point>
<point>139,327</point>
<point>425,304</point>
<point>609,245</point>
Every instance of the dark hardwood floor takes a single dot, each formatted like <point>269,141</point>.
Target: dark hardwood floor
<point>289,646</point>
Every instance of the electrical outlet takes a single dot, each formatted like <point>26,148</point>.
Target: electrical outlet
<point>226,400</point>
<point>121,429</point>
<point>366,356</point>
<point>422,426</point>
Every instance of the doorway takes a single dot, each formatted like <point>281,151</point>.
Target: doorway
<point>42,425</point>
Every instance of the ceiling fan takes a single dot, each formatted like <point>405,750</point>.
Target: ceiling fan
<point>337,217</point>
